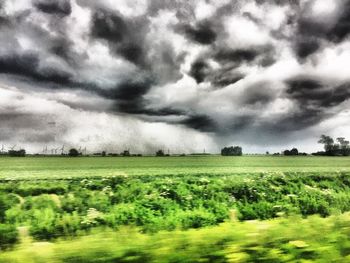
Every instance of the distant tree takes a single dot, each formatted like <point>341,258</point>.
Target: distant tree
<point>19,153</point>
<point>267,153</point>
<point>294,151</point>
<point>328,142</point>
<point>286,152</point>
<point>231,151</point>
<point>344,146</point>
<point>160,153</point>
<point>103,153</point>
<point>73,152</point>
<point>126,153</point>
<point>319,153</point>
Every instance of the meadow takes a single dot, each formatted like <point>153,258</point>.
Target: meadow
<point>175,209</point>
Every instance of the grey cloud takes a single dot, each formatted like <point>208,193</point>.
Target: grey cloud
<point>27,127</point>
<point>311,31</point>
<point>59,7</point>
<point>27,65</point>
<point>123,35</point>
<point>200,122</point>
<point>202,33</point>
<point>130,70</point>
<point>199,70</point>
<point>312,93</point>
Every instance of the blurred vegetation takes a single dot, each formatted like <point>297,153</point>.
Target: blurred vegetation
<point>73,207</point>
<point>291,239</point>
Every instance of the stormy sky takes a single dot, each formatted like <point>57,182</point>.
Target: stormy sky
<point>182,75</point>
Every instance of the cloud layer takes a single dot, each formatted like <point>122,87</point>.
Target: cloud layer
<point>182,74</point>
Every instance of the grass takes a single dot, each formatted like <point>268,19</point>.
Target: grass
<point>61,167</point>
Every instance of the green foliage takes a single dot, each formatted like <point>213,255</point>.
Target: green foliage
<point>291,239</point>
<point>8,235</point>
<point>153,199</point>
<point>62,208</point>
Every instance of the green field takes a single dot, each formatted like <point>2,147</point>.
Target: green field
<point>62,167</point>
<point>175,209</point>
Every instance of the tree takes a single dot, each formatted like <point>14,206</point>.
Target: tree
<point>286,152</point>
<point>103,153</point>
<point>126,153</point>
<point>73,152</point>
<point>335,149</point>
<point>160,153</point>
<point>294,151</point>
<point>344,146</point>
<point>231,151</point>
<point>19,153</point>
<point>328,142</point>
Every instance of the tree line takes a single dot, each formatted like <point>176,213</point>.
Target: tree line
<point>339,147</point>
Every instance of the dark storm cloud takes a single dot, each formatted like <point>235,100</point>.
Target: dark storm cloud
<point>126,38</point>
<point>224,78</point>
<point>4,21</point>
<point>237,56</point>
<point>309,37</point>
<point>199,70</point>
<point>302,119</point>
<point>59,7</point>
<point>262,55</point>
<point>202,32</point>
<point>278,2</point>
<point>128,90</point>
<point>239,123</point>
<point>123,35</point>
<point>312,31</point>
<point>229,60</point>
<point>312,93</point>
<point>313,100</point>
<point>342,27</point>
<point>307,46</point>
<point>27,65</point>
<point>128,96</point>
<point>64,49</point>
<point>200,122</point>
<point>259,93</point>
<point>108,26</point>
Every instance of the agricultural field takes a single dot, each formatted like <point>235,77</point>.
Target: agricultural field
<point>62,167</point>
<point>175,209</point>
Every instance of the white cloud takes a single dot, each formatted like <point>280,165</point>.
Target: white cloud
<point>243,32</point>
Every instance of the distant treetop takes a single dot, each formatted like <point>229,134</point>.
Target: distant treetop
<point>231,151</point>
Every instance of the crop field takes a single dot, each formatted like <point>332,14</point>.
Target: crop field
<point>175,209</point>
<point>61,167</point>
